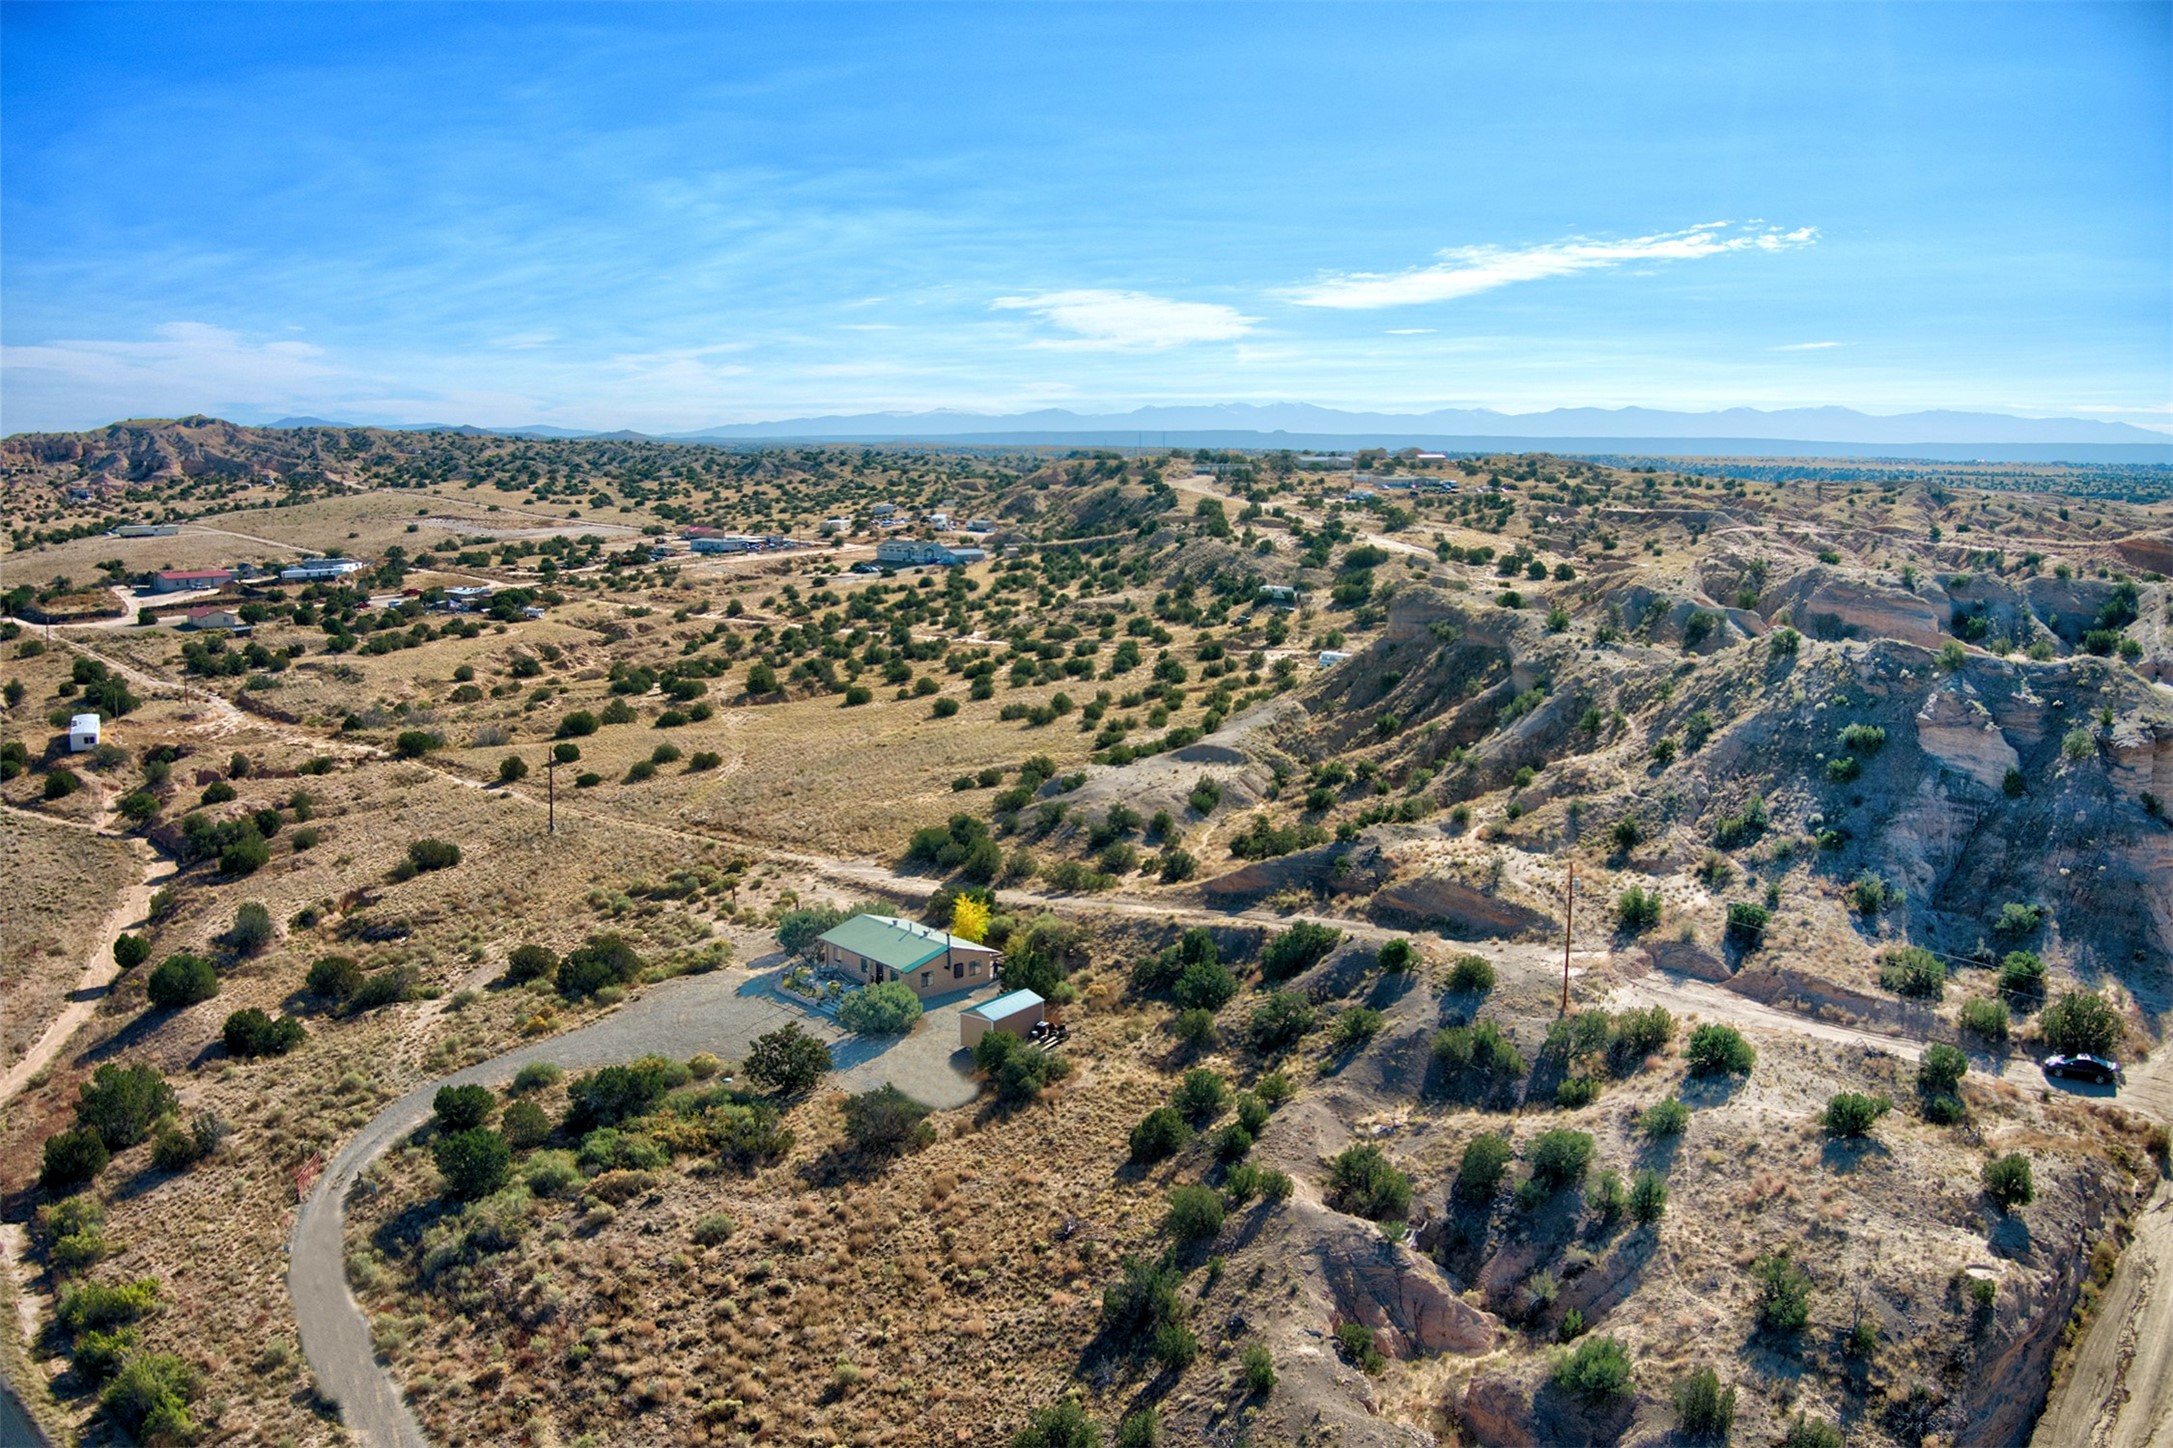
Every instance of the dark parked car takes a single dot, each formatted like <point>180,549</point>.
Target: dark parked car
<point>2084,1068</point>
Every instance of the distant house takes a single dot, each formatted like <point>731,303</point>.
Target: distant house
<point>875,948</point>
<point>1277,595</point>
<point>1329,658</point>
<point>320,570</point>
<point>882,510</point>
<point>221,619</point>
<point>980,525</point>
<point>186,580</point>
<point>1015,1014</point>
<point>82,733</point>
<point>147,530</point>
<point>467,596</point>
<point>725,543</point>
<point>917,552</point>
<point>939,520</point>
<point>837,525</point>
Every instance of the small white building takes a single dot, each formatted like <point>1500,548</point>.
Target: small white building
<point>837,525</point>
<point>1329,658</point>
<point>320,570</point>
<point>1014,1014</point>
<point>82,733</point>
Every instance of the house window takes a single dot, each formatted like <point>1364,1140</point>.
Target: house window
<point>927,978</point>
<point>958,970</point>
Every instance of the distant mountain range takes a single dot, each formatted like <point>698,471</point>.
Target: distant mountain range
<point>1834,431</point>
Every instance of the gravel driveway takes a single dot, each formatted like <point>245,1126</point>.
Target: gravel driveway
<point>720,1013</point>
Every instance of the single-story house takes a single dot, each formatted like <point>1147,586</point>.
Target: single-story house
<point>1329,658</point>
<point>882,510</point>
<point>837,525</point>
<point>320,570</point>
<point>82,733</point>
<point>723,543</point>
<point>980,525</point>
<point>913,552</point>
<point>1278,595</point>
<point>147,530</point>
<point>184,580</point>
<point>875,948</point>
<point>216,618</point>
<point>1015,1014</point>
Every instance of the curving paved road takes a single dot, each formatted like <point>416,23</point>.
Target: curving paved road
<point>722,1013</point>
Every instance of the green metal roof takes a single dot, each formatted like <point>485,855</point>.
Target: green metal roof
<point>898,944</point>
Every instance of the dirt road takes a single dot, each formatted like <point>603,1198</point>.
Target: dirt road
<point>99,971</point>
<point>721,1012</point>
<point>2119,1390</point>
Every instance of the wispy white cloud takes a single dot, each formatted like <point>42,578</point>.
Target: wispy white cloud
<point>1410,331</point>
<point>1118,321</point>
<point>1806,346</point>
<point>1466,271</point>
<point>182,367</point>
<point>525,341</point>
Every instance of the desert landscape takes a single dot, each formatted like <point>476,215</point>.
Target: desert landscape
<point>1530,949</point>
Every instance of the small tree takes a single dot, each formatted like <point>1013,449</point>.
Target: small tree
<point>969,918</point>
<point>1703,1407</point>
<point>885,1122</point>
<point>2081,1022</point>
<point>251,1032</point>
<point>1195,1214</point>
<point>1367,1185</point>
<point>1471,975</point>
<point>1648,1197</point>
<point>1850,1115</point>
<point>1061,1425</point>
<point>1784,1293</point>
<point>473,1163</point>
<point>1597,1370</point>
<point>2007,1181</point>
<point>1637,910</point>
<point>252,929</point>
<point>1913,971</point>
<point>787,1061</point>
<point>1717,1050</point>
<point>512,769</point>
<point>334,977</point>
<point>1201,1096</point>
<point>428,854</point>
<point>888,1008</point>
<point>1560,1158</point>
<point>1297,949</point>
<point>1941,1070</point>
<point>1161,1132</point>
<point>1478,1175</point>
<point>122,1103</point>
<point>530,962</point>
<point>72,1158</point>
<point>1279,1022</point>
<point>130,951</point>
<point>462,1108</point>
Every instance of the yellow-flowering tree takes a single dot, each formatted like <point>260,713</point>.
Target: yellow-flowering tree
<point>969,919</point>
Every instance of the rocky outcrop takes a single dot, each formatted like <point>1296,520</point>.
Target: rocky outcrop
<point>1835,608</point>
<point>1456,909</point>
<point>2152,552</point>
<point>1955,728</point>
<point>1409,1302</point>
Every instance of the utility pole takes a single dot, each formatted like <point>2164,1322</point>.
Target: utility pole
<point>550,775</point>
<point>1569,909</point>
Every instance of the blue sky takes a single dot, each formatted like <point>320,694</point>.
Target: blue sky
<point>668,218</point>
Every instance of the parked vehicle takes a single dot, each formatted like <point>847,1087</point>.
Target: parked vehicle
<point>2084,1068</point>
